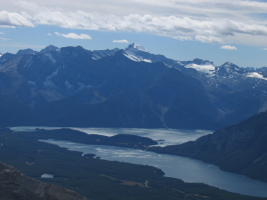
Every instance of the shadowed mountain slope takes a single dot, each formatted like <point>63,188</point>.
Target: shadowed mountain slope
<point>240,148</point>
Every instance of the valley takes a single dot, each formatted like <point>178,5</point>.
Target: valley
<point>133,100</point>
<point>239,148</point>
<point>131,90</point>
<point>96,178</point>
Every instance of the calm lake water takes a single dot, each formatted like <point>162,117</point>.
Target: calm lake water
<point>163,136</point>
<point>187,169</point>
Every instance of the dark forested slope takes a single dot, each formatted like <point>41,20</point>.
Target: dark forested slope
<point>240,148</point>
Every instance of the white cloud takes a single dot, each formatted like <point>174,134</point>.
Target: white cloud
<point>49,34</point>
<point>220,21</point>
<point>228,47</point>
<point>120,41</point>
<point>75,36</point>
<point>208,39</point>
<point>256,75</point>
<point>14,19</point>
<point>204,30</point>
<point>1,33</point>
<point>207,69</point>
<point>264,49</point>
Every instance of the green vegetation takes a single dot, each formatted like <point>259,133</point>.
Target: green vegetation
<point>99,179</point>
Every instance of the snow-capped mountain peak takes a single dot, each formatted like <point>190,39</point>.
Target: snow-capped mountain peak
<point>136,47</point>
<point>228,69</point>
<point>137,53</point>
<point>230,66</point>
<point>1,54</point>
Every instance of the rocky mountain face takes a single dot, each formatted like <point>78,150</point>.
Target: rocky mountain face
<point>17,186</point>
<point>72,86</point>
<point>240,148</point>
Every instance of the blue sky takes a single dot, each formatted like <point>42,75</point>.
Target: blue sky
<point>215,30</point>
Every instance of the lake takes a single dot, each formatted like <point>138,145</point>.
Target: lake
<point>187,169</point>
<point>163,136</point>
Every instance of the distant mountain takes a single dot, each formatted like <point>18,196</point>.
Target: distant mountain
<point>17,186</point>
<point>125,88</point>
<point>240,148</point>
<point>99,54</point>
<point>139,53</point>
<point>49,48</point>
<point>26,51</point>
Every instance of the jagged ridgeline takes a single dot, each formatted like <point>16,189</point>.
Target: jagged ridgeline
<point>129,87</point>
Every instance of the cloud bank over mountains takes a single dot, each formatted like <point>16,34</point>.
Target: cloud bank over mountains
<point>207,21</point>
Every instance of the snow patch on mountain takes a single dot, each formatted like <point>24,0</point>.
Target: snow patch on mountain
<point>51,95</point>
<point>170,66</point>
<point>148,61</point>
<point>132,57</point>
<point>52,75</point>
<point>136,47</point>
<point>50,56</point>
<point>48,83</point>
<point>207,69</point>
<point>136,59</point>
<point>230,67</point>
<point>96,57</point>
<point>256,75</point>
<point>140,48</point>
<point>83,86</point>
<point>32,83</point>
<point>68,85</point>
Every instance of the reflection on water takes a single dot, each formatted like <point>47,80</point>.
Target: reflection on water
<point>47,176</point>
<point>187,169</point>
<point>163,136</point>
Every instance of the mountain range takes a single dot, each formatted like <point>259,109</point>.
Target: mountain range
<point>130,87</point>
